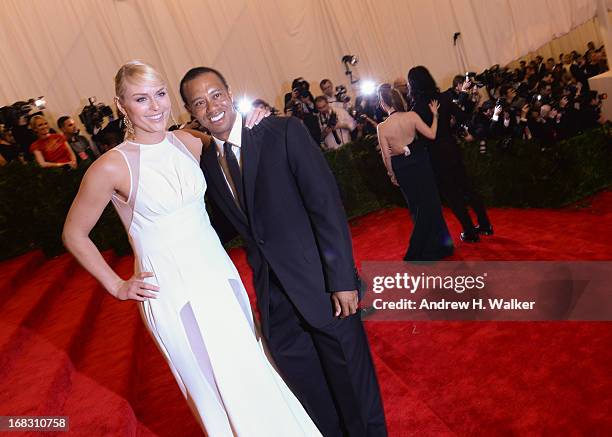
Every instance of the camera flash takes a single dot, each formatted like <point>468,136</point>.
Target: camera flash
<point>245,105</point>
<point>368,87</point>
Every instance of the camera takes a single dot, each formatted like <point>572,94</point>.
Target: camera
<point>473,77</point>
<point>501,102</point>
<point>92,115</point>
<point>10,115</point>
<point>330,120</point>
<point>341,95</point>
<point>302,93</point>
<point>536,98</point>
<point>301,87</point>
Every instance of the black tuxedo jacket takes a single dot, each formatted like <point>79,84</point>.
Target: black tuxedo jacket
<point>294,223</point>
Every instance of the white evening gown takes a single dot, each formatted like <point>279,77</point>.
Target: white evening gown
<point>201,320</point>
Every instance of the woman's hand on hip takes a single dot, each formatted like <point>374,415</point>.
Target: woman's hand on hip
<point>136,288</point>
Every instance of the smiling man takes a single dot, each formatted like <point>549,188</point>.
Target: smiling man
<point>273,184</point>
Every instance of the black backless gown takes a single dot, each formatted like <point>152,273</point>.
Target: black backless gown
<point>430,239</point>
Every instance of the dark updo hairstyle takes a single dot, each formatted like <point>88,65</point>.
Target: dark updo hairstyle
<point>391,97</point>
<point>421,84</point>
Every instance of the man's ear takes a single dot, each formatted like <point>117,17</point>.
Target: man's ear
<point>229,92</point>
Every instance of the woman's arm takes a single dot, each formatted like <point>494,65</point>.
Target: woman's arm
<point>386,155</point>
<point>98,185</point>
<point>40,159</point>
<point>421,126</point>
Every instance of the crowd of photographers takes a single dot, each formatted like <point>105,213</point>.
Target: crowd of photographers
<point>330,118</point>
<point>543,100</point>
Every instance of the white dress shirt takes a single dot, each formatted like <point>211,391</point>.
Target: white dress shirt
<point>344,134</point>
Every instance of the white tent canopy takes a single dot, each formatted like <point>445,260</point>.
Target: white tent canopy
<point>68,50</point>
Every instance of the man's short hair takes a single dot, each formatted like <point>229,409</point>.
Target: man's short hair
<point>195,72</point>
<point>503,90</point>
<point>63,119</point>
<point>320,99</point>
<point>544,85</point>
<point>458,79</point>
<point>323,82</point>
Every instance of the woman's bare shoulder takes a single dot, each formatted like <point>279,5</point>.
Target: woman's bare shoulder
<point>191,137</point>
<point>110,166</point>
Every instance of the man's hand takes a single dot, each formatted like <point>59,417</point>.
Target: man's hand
<point>345,303</point>
<point>525,110</point>
<point>255,116</point>
<point>326,131</point>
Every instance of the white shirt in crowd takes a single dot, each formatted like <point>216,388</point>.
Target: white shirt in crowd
<point>335,103</point>
<point>344,133</point>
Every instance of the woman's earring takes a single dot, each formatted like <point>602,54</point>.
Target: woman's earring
<point>129,128</point>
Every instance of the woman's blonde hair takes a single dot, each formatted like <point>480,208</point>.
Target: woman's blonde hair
<point>33,120</point>
<point>136,72</point>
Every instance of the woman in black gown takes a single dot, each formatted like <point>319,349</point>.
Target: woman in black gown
<point>445,155</point>
<point>408,166</point>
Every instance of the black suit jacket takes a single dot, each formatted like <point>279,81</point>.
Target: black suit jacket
<point>294,223</point>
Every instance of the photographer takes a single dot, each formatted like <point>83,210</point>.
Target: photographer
<point>461,93</point>
<point>9,149</point>
<point>542,124</point>
<point>508,122</point>
<point>367,113</point>
<point>335,99</point>
<point>83,149</point>
<point>300,103</point>
<point>568,120</point>
<point>336,124</point>
<point>401,85</point>
<point>478,128</point>
<point>15,119</point>
<point>590,114</point>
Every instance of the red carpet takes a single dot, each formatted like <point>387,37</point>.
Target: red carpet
<point>67,348</point>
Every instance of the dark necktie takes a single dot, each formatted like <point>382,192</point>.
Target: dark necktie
<point>234,172</point>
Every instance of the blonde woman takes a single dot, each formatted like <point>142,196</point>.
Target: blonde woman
<point>50,150</point>
<point>189,293</point>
